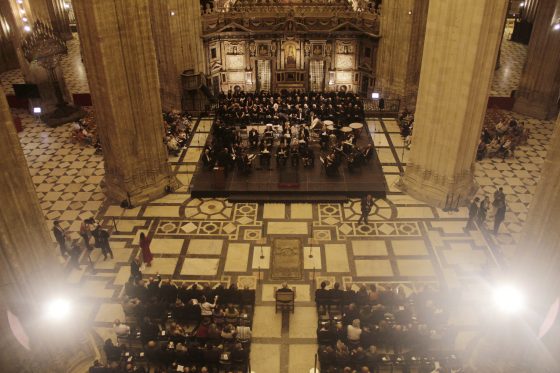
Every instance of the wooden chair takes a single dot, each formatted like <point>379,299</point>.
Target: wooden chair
<point>285,300</point>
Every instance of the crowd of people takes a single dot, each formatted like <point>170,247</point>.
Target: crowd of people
<point>84,131</point>
<point>294,120</point>
<point>362,330</point>
<point>89,228</point>
<point>185,328</point>
<point>501,135</point>
<point>478,210</point>
<point>294,107</point>
<point>177,127</point>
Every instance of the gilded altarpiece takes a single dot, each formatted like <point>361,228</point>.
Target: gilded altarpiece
<point>320,45</point>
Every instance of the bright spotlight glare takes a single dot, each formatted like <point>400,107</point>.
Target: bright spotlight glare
<point>57,309</point>
<point>508,299</point>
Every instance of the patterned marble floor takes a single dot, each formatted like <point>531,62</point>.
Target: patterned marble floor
<point>406,242</point>
<point>512,60</point>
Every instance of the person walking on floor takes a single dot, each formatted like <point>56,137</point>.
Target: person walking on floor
<point>60,236</point>
<point>483,211</point>
<point>366,205</point>
<point>473,213</point>
<point>145,246</point>
<point>500,216</point>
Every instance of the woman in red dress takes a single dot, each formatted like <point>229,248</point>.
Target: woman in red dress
<point>145,246</point>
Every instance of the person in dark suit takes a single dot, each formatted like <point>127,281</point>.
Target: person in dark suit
<point>366,205</point>
<point>253,138</point>
<point>473,213</point>
<point>322,293</point>
<point>60,236</point>
<point>207,159</point>
<point>75,255</point>
<point>103,240</point>
<point>500,215</point>
<point>135,269</point>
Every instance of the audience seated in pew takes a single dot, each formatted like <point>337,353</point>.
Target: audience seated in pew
<point>175,326</point>
<point>369,328</point>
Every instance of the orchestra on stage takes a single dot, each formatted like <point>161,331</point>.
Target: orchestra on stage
<point>283,128</point>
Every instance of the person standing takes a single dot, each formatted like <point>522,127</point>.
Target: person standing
<point>500,216</point>
<point>60,236</point>
<point>499,197</point>
<point>85,233</point>
<point>103,238</point>
<point>473,213</point>
<point>483,211</point>
<point>366,205</point>
<point>135,272</point>
<point>145,246</point>
<point>75,255</point>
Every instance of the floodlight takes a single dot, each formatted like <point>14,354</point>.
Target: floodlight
<point>508,299</point>
<point>57,309</point>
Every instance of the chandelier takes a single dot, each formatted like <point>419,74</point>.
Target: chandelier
<point>43,46</point>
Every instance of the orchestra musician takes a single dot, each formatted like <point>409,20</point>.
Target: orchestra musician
<point>253,138</point>
<point>208,160</point>
<point>265,158</point>
<point>282,155</point>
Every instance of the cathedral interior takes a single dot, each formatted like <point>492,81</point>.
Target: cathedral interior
<point>124,215</point>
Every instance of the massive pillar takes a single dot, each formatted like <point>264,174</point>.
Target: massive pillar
<point>539,249</point>
<point>403,27</point>
<point>120,61</point>
<point>539,88</point>
<point>537,258</point>
<point>29,270</point>
<point>177,30</point>
<point>460,49</point>
<point>8,55</point>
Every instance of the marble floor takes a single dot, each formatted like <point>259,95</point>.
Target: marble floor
<point>406,242</point>
<point>512,59</point>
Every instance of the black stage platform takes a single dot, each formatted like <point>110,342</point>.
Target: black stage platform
<point>292,184</point>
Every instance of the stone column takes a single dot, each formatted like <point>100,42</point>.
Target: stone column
<point>539,88</point>
<point>8,55</point>
<point>462,40</point>
<point>539,250</point>
<point>530,10</point>
<point>403,27</point>
<point>29,270</point>
<point>177,32</point>
<point>59,19</point>
<point>120,61</point>
<point>535,265</point>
